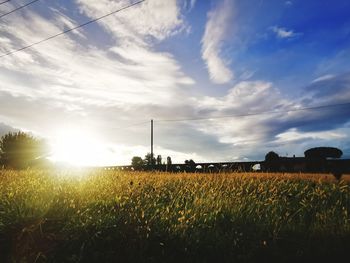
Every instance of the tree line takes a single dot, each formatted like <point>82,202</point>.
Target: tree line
<point>20,150</point>
<point>150,162</point>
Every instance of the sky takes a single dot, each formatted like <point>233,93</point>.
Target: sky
<point>91,93</point>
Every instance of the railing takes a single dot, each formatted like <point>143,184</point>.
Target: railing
<point>285,165</point>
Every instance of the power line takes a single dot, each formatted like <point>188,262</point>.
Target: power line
<point>4,2</point>
<point>131,125</point>
<point>70,29</point>
<point>257,113</point>
<point>135,124</point>
<point>18,8</point>
<point>240,115</point>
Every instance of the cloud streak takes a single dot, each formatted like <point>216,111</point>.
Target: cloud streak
<point>62,68</point>
<point>284,33</point>
<point>216,29</point>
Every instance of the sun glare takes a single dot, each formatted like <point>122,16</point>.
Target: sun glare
<point>78,148</point>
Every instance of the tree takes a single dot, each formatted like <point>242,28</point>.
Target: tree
<point>272,161</point>
<point>168,164</point>
<point>137,162</point>
<point>190,166</point>
<point>148,160</point>
<point>323,153</point>
<point>159,160</point>
<point>20,150</point>
<point>317,160</point>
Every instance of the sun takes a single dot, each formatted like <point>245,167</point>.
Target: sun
<point>78,148</point>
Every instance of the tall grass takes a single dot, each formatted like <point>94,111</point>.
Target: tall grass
<point>105,216</point>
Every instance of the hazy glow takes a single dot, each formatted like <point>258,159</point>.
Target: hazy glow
<point>78,148</point>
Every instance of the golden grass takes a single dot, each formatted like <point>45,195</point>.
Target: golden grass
<point>75,212</point>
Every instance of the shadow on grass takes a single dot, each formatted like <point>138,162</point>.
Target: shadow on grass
<point>226,241</point>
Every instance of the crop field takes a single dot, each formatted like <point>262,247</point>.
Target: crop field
<point>111,216</point>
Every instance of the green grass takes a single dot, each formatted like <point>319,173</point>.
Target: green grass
<point>108,216</point>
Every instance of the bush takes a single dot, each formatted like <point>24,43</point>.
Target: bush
<point>272,161</point>
<point>20,150</point>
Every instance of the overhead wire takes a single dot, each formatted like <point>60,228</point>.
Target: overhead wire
<point>321,107</point>
<point>135,124</point>
<point>267,144</point>
<point>4,2</point>
<point>257,113</point>
<point>18,8</point>
<point>70,29</point>
<point>270,143</point>
<point>131,125</point>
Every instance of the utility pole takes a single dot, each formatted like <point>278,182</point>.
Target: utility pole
<point>152,144</point>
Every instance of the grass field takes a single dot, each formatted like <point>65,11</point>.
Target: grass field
<point>109,216</point>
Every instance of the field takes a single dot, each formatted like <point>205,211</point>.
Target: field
<point>110,216</point>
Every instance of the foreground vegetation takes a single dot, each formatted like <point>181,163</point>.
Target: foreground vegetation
<point>109,216</point>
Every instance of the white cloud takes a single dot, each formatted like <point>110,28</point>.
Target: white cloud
<point>193,2</point>
<point>293,134</point>
<point>62,68</point>
<point>282,32</point>
<point>216,29</point>
<point>324,77</point>
<point>153,18</point>
<point>188,5</point>
<point>244,98</point>
<point>252,95</point>
<point>255,135</point>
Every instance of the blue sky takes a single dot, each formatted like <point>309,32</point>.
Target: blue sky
<point>178,59</point>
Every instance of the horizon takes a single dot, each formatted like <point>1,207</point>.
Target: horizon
<point>283,78</point>
<point>59,155</point>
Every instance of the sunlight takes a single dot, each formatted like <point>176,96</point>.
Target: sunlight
<point>78,148</point>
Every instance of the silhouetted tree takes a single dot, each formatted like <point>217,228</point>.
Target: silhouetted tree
<point>190,166</point>
<point>168,164</point>
<point>137,162</point>
<point>272,161</point>
<point>149,161</point>
<point>159,160</point>
<point>20,150</point>
<point>317,160</point>
<point>323,153</point>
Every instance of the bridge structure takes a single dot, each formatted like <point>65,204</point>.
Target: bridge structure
<point>307,164</point>
<point>290,165</point>
<point>197,167</point>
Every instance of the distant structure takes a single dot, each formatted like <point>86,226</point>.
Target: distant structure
<point>316,160</point>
